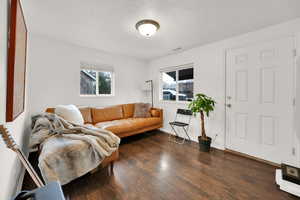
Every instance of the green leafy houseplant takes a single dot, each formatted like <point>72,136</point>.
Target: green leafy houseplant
<point>204,105</point>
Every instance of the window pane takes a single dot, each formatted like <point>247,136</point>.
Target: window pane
<point>169,85</point>
<point>186,74</point>
<point>186,84</point>
<point>87,82</point>
<point>104,82</point>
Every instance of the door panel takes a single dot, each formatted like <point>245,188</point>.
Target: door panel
<point>267,130</point>
<point>241,125</point>
<point>259,89</point>
<point>241,85</point>
<point>267,87</point>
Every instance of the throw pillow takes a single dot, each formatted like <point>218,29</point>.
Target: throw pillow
<point>142,110</point>
<point>70,113</point>
<point>155,113</point>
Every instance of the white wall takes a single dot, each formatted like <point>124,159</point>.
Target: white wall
<point>297,113</point>
<point>209,70</point>
<point>11,171</point>
<point>53,78</point>
<point>54,75</point>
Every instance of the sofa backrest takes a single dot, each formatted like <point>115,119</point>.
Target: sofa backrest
<point>86,114</point>
<point>96,115</point>
<point>128,110</point>
<point>107,114</point>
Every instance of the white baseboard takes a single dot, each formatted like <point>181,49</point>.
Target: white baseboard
<point>218,146</point>
<point>164,130</point>
<point>214,145</point>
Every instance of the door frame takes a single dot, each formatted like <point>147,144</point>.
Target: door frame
<point>296,145</point>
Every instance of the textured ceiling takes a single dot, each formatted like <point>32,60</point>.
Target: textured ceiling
<point>110,25</point>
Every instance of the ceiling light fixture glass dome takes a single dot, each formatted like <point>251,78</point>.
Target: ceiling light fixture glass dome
<point>147,27</point>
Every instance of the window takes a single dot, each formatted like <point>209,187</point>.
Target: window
<point>177,84</point>
<point>96,82</point>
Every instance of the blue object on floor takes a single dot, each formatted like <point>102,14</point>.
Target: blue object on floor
<point>51,191</point>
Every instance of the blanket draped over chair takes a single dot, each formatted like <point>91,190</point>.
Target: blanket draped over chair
<point>68,151</point>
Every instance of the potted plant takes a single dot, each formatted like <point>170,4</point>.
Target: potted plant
<point>204,105</point>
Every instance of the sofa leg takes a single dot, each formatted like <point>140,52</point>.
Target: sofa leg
<point>112,167</point>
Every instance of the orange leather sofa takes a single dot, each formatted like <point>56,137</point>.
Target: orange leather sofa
<point>119,119</point>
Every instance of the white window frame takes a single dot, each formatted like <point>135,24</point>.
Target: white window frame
<point>97,80</point>
<point>176,69</point>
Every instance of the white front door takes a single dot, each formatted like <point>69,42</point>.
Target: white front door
<point>259,100</point>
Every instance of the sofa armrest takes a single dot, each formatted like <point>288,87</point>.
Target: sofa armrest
<point>50,110</point>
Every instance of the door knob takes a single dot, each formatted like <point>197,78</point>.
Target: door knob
<point>228,105</point>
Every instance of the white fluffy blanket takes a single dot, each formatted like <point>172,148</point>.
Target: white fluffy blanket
<point>69,151</point>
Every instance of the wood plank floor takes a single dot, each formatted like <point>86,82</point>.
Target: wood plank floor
<point>151,167</point>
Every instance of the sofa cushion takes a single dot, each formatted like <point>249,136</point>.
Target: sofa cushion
<point>128,110</point>
<point>107,114</point>
<point>70,113</point>
<point>128,125</point>
<point>86,114</point>
<point>118,126</point>
<point>146,122</point>
<point>142,110</point>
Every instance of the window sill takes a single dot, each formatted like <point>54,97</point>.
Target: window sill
<point>96,96</point>
<point>174,102</point>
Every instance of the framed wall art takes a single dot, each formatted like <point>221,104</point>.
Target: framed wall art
<point>16,61</point>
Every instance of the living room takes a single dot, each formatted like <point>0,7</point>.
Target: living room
<point>232,52</point>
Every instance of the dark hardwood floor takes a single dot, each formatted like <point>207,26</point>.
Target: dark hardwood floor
<point>151,167</point>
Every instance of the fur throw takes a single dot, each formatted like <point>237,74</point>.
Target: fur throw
<point>69,151</point>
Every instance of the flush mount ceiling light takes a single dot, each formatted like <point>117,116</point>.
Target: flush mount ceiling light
<point>147,27</point>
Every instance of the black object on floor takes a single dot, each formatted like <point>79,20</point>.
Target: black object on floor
<point>204,144</point>
<point>290,173</point>
<point>52,191</point>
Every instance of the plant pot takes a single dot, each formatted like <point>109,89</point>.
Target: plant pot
<point>204,144</point>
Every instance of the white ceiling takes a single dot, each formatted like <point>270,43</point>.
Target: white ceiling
<point>109,25</point>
